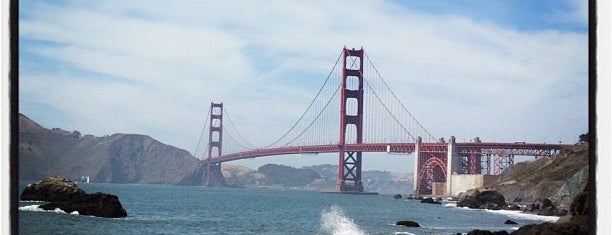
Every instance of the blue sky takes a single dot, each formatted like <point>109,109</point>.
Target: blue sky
<point>500,70</point>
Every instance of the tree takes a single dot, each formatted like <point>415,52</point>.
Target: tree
<point>584,138</point>
<point>76,134</point>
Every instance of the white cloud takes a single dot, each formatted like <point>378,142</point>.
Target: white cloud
<point>168,61</point>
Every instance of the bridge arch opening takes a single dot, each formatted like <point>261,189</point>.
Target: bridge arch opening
<point>434,171</point>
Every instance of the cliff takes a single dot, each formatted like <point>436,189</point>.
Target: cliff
<point>119,158</point>
<point>557,178</point>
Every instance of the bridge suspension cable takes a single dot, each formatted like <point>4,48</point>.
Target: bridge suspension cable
<point>315,119</point>
<point>204,128</point>
<point>250,145</point>
<point>307,109</point>
<point>430,136</point>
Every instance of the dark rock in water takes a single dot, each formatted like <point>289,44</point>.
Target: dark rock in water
<point>485,232</point>
<point>65,195</point>
<point>397,196</point>
<point>482,200</point>
<point>408,223</point>
<point>430,201</point>
<point>96,204</point>
<point>510,222</point>
<point>52,189</point>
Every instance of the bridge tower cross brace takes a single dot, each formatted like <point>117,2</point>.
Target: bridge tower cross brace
<point>214,175</point>
<point>349,162</point>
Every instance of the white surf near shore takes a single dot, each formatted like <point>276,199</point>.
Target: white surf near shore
<point>38,209</point>
<point>512,214</point>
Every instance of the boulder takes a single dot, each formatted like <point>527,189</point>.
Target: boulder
<point>96,204</point>
<point>492,197</point>
<point>408,223</point>
<point>482,200</point>
<point>485,232</point>
<point>52,189</point>
<point>64,194</point>
<point>510,222</point>
<point>430,201</point>
<point>472,193</point>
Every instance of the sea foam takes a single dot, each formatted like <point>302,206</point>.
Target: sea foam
<point>38,209</point>
<point>336,223</point>
<point>523,215</point>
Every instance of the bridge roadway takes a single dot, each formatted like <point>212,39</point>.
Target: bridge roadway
<point>492,148</point>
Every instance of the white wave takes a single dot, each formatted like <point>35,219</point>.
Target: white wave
<point>38,209</point>
<point>450,204</point>
<point>336,223</point>
<point>523,215</point>
<point>515,214</point>
<point>404,233</point>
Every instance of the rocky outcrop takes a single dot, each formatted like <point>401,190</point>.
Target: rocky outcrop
<point>556,178</point>
<point>430,201</point>
<point>577,222</point>
<point>52,189</point>
<point>544,207</point>
<point>554,186</point>
<point>408,223</point>
<point>64,194</point>
<point>485,232</point>
<point>96,204</point>
<point>487,199</point>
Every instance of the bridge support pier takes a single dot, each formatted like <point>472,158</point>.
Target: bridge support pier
<point>452,164</point>
<point>417,166</point>
<point>214,175</point>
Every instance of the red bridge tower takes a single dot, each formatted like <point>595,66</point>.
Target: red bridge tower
<point>214,175</point>
<point>351,115</point>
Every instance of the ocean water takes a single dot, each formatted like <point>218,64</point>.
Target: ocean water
<point>169,209</point>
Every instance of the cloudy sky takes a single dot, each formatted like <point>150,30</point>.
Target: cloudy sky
<point>502,70</point>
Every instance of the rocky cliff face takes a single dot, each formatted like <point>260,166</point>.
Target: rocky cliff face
<point>119,158</point>
<point>557,178</point>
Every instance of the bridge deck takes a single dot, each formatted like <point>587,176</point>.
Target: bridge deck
<point>521,149</point>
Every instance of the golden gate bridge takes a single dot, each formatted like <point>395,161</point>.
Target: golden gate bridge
<point>355,111</point>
